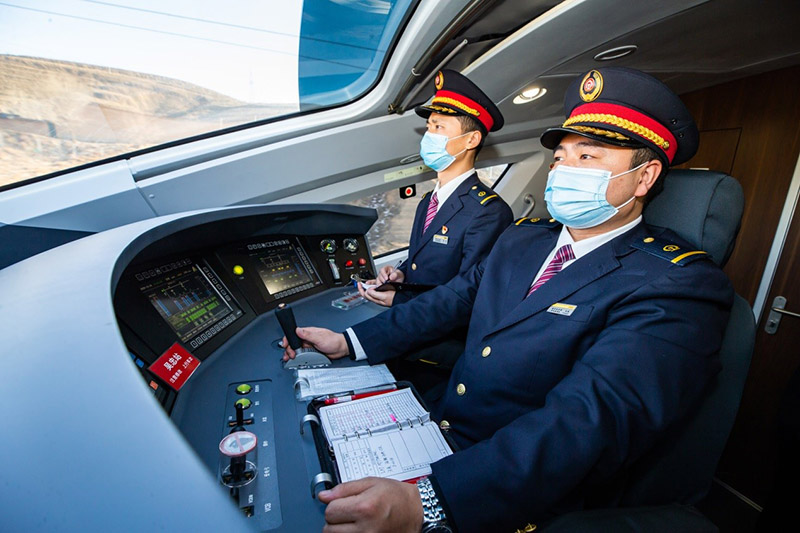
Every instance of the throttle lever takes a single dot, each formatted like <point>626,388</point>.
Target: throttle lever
<point>306,357</point>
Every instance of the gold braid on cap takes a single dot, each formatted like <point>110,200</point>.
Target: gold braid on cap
<point>614,120</point>
<point>455,103</point>
<point>441,109</point>
<point>598,131</point>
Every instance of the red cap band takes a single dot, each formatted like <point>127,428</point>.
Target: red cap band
<point>467,105</point>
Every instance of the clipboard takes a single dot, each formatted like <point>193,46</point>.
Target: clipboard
<point>331,473</point>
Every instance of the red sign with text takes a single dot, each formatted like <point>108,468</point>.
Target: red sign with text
<point>175,366</point>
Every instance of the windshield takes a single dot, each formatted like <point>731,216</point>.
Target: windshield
<point>89,80</point>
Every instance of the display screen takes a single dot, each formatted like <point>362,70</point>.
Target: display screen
<point>190,299</point>
<point>283,267</point>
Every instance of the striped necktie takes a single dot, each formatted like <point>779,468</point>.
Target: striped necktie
<point>431,212</point>
<point>563,255</point>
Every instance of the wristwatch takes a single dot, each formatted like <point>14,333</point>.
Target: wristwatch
<point>434,519</point>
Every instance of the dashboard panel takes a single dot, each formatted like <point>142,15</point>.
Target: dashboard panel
<point>202,297</point>
<point>92,317</point>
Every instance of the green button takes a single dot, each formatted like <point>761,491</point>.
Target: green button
<point>244,388</point>
<point>244,402</point>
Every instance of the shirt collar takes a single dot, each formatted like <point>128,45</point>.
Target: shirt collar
<point>585,246</point>
<point>444,192</point>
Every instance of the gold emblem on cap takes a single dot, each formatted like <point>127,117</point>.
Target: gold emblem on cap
<point>444,230</point>
<point>439,81</point>
<point>591,86</point>
<point>671,248</point>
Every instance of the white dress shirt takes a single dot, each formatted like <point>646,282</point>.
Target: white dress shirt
<point>443,193</point>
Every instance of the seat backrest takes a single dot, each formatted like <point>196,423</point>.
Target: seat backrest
<point>705,208</point>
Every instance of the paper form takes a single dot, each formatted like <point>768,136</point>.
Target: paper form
<point>401,454</point>
<point>377,413</point>
<point>315,382</point>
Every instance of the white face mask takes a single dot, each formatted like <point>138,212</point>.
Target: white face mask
<point>576,197</point>
<point>433,150</point>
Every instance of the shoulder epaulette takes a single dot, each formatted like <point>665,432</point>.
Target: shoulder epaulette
<point>669,251</point>
<point>538,222</point>
<point>483,195</point>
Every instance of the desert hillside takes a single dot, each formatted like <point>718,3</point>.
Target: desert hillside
<point>56,114</point>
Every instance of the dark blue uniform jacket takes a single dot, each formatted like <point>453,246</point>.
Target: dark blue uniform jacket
<point>474,217</point>
<point>542,404</point>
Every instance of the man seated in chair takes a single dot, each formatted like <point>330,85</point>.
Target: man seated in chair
<point>590,334</point>
<point>455,226</point>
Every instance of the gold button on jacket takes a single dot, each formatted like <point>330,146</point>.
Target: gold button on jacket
<point>486,351</point>
<point>461,389</point>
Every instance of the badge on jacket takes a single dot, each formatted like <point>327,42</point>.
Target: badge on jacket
<point>440,239</point>
<point>562,309</point>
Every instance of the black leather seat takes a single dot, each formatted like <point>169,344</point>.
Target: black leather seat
<point>705,208</point>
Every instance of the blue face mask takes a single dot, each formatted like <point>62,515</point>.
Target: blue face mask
<point>433,150</point>
<point>576,197</point>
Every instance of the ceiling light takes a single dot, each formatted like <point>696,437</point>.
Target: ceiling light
<point>529,95</point>
<point>615,53</point>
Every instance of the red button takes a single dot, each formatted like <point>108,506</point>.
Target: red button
<point>362,261</point>
<point>348,264</point>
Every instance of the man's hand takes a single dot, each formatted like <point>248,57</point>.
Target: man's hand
<point>384,298</point>
<point>372,504</point>
<point>389,273</point>
<point>322,340</point>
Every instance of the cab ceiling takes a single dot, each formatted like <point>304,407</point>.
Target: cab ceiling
<point>689,44</point>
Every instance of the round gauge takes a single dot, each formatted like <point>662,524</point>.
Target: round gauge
<point>238,443</point>
<point>327,245</point>
<point>351,245</point>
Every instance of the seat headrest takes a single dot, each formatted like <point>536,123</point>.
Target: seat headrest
<point>703,207</point>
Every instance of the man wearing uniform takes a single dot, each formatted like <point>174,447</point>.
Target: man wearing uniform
<point>456,225</point>
<point>590,334</point>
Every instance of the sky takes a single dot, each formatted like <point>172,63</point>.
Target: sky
<point>246,49</point>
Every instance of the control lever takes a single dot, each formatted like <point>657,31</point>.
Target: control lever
<point>306,357</point>
<point>239,418</point>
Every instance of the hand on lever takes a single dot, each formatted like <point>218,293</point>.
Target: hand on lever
<point>322,340</point>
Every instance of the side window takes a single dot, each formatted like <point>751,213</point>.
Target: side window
<point>396,216</point>
<point>491,175</point>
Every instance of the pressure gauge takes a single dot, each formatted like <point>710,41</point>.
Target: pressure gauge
<point>328,246</point>
<point>351,245</point>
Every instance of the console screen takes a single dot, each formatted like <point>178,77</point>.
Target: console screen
<point>283,267</point>
<point>190,298</point>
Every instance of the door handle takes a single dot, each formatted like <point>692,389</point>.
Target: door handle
<point>785,312</point>
<point>776,312</point>
<point>530,201</point>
